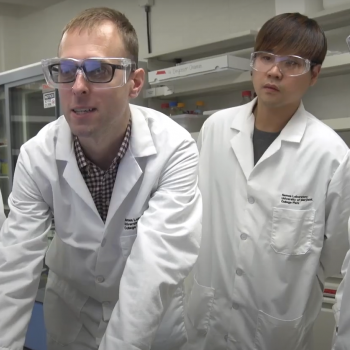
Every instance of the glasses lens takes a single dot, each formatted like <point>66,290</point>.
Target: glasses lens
<point>63,72</point>
<point>106,73</point>
<point>289,65</point>
<point>98,72</point>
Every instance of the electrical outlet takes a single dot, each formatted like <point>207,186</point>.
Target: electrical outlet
<point>144,3</point>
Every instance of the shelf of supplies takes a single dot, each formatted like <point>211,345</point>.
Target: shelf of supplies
<point>3,146</point>
<point>4,177</point>
<point>238,41</point>
<point>189,117</point>
<point>216,83</point>
<point>32,119</point>
<point>191,122</point>
<point>333,65</point>
<point>333,18</point>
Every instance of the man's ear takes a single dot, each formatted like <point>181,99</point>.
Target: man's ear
<point>315,72</point>
<point>138,79</point>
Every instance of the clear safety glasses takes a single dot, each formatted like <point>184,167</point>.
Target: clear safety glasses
<point>104,73</point>
<point>289,65</point>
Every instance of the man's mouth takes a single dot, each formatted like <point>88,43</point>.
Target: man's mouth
<point>83,110</point>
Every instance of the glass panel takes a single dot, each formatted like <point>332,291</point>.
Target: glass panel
<point>31,108</point>
<point>4,178</point>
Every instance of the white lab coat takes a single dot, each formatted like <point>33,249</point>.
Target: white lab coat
<point>342,337</point>
<point>264,256</point>
<point>133,266</point>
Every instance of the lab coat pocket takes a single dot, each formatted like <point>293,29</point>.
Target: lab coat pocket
<point>126,243</point>
<point>275,334</point>
<point>199,306</point>
<point>292,230</point>
<point>62,308</point>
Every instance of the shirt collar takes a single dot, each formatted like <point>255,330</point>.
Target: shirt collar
<point>84,163</point>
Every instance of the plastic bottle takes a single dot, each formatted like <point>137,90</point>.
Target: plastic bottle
<point>246,97</point>
<point>165,108</point>
<point>173,109</point>
<point>199,107</point>
<point>181,108</point>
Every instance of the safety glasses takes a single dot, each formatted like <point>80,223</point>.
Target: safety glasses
<point>289,65</point>
<point>103,73</point>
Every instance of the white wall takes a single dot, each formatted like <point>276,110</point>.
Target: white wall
<point>9,43</point>
<point>175,23</point>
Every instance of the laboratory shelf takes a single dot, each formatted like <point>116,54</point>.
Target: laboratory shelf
<point>209,83</point>
<point>235,42</point>
<point>333,18</point>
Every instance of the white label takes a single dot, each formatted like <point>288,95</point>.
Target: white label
<point>49,99</point>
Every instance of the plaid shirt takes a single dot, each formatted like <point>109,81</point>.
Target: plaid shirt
<point>99,182</point>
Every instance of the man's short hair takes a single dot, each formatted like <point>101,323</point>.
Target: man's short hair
<point>91,18</point>
<point>295,34</point>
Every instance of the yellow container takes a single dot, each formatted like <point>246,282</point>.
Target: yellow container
<point>4,168</point>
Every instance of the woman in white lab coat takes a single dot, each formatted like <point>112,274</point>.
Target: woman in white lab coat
<point>276,196</point>
<point>116,274</point>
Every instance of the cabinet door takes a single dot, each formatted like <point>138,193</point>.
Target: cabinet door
<point>31,108</point>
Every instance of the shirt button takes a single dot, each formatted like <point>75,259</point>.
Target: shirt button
<point>107,176</point>
<point>239,272</point>
<point>107,202</point>
<point>244,237</point>
<point>251,200</point>
<point>226,337</point>
<point>100,279</point>
<point>235,306</point>
<point>103,243</point>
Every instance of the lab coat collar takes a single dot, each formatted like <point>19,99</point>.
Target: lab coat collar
<point>141,142</point>
<point>242,120</point>
<point>242,143</point>
<point>292,132</point>
<point>141,145</point>
<point>295,128</point>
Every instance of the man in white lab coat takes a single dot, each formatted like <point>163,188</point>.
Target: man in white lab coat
<point>276,201</point>
<point>342,309</point>
<point>121,182</point>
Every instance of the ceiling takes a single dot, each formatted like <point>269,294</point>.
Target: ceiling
<point>20,8</point>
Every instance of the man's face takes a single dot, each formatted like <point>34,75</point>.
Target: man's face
<point>89,111</point>
<point>276,90</point>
